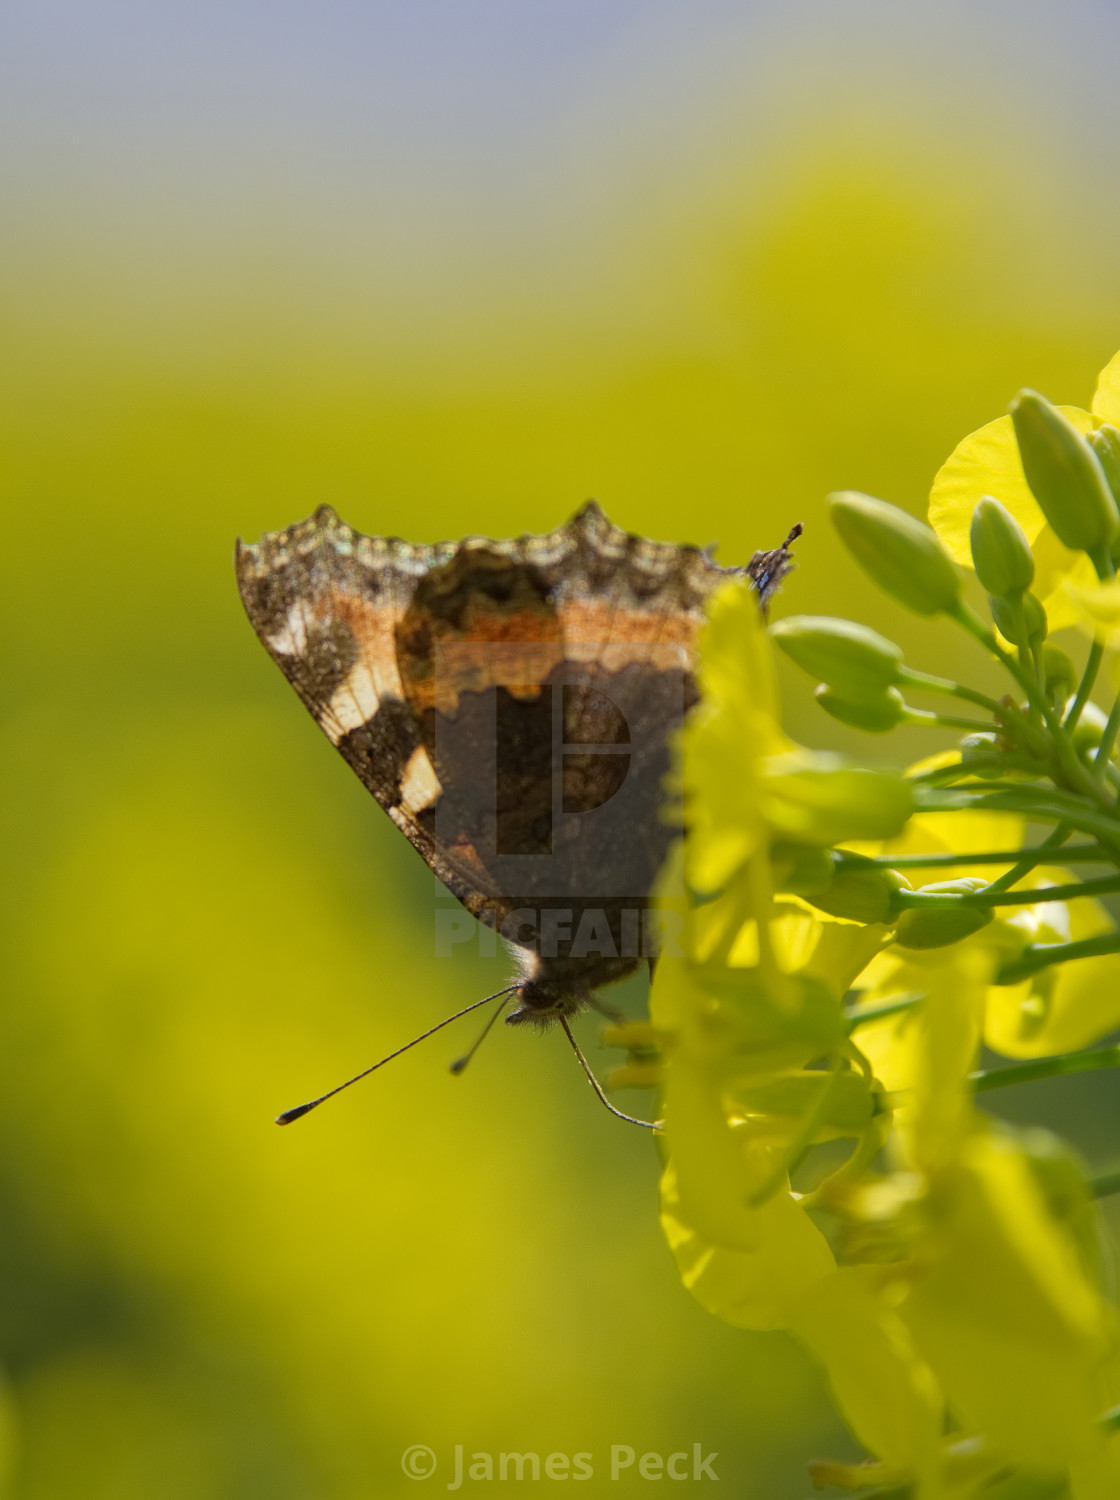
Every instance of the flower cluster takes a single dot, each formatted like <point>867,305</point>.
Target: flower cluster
<point>854,936</point>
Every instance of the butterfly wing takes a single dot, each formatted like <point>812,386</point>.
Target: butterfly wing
<point>509,703</point>
<point>325,602</point>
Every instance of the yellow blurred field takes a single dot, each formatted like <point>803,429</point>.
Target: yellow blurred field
<point>705,271</point>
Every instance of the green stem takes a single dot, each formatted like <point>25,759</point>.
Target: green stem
<point>1045,1067</point>
<point>1040,803</point>
<point>969,620</point>
<point>927,719</point>
<point>1022,867</point>
<point>930,684</point>
<point>1038,855</point>
<point>895,1007</point>
<point>1085,687</point>
<point>1001,762</point>
<point>1027,661</point>
<point>1036,662</point>
<point>1042,955</point>
<point>990,896</point>
<point>1049,806</point>
<point>1105,1186</point>
<point>1075,773</point>
<point>1108,739</point>
<point>1107,886</point>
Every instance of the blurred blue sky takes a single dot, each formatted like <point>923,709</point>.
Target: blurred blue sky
<point>494,129</point>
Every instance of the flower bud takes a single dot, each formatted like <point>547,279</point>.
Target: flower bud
<point>875,714</point>
<point>1065,474</point>
<point>1001,554</point>
<point>800,869</point>
<point>960,885</point>
<point>1059,675</point>
<point>901,554</point>
<point>937,927</point>
<point>981,746</point>
<point>1004,612</point>
<point>861,893</point>
<point>984,742</point>
<point>851,658</point>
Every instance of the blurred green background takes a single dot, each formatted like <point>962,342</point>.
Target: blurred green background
<point>453,268</point>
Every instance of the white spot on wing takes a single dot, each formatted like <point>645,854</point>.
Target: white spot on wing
<point>291,638</point>
<point>419,785</point>
<point>353,703</point>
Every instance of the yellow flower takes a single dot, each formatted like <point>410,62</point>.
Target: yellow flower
<point>1068,1006</point>
<point>923,1056</point>
<point>758,1283</point>
<point>987,463</point>
<point>950,833</point>
<point>1059,1009</point>
<point>1096,609</point>
<point>737,1029</point>
<point>744,779</point>
<point>747,1257</point>
<point>986,1275</point>
<point>728,740</point>
<point>1106,400</point>
<point>1003,1311</point>
<point>885,1391</point>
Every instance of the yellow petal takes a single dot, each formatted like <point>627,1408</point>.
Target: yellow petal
<point>736,660</point>
<point>1064,1008</point>
<point>1096,608</point>
<point>1106,399</point>
<point>715,1175</point>
<point>1056,570</point>
<point>957,833</point>
<point>885,1391</point>
<point>924,1055</point>
<point>726,742</point>
<point>987,463</point>
<point>756,1287</point>
<point>1005,1316</point>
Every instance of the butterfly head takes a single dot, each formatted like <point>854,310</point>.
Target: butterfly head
<point>548,989</point>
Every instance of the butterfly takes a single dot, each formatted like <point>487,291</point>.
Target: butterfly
<point>511,705</point>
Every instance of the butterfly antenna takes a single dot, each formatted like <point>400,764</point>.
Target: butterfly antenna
<point>302,1109</point>
<point>598,1087</point>
<point>461,1062</point>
